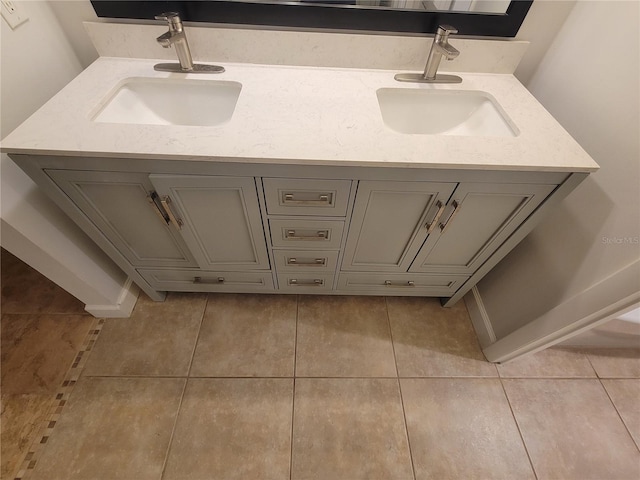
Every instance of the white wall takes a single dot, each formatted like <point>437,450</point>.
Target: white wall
<point>36,62</point>
<point>589,81</point>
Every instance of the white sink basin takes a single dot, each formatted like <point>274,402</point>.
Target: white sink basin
<point>168,101</point>
<point>444,112</point>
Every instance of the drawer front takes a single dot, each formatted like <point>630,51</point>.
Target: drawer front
<point>401,284</point>
<point>199,281</point>
<point>306,234</point>
<point>305,282</point>
<point>305,260</point>
<point>289,196</point>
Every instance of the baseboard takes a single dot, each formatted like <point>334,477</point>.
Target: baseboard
<point>124,306</point>
<point>479,318</point>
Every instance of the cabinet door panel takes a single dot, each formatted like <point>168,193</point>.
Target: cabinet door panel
<point>389,223</point>
<point>487,215</point>
<point>117,204</point>
<point>222,221</point>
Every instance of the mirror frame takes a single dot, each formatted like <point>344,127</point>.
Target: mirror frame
<point>321,16</point>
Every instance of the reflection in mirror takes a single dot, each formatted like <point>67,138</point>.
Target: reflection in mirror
<point>476,6</point>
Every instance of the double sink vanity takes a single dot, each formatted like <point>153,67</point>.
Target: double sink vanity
<point>287,179</point>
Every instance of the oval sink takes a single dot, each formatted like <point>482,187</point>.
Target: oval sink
<point>168,101</point>
<point>444,112</point>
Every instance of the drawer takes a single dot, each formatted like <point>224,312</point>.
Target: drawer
<point>394,284</point>
<point>305,260</point>
<point>305,282</point>
<point>306,234</point>
<point>290,196</point>
<point>199,281</point>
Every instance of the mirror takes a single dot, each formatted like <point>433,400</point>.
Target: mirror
<point>497,18</point>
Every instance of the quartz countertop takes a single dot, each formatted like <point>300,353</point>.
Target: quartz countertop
<point>298,115</point>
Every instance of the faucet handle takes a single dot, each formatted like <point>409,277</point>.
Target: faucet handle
<point>446,30</point>
<point>172,17</point>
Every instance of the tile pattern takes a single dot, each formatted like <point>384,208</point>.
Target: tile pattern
<point>367,388</point>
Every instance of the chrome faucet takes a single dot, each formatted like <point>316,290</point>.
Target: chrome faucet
<point>439,48</point>
<point>177,37</point>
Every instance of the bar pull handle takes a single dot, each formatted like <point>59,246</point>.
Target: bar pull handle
<point>218,280</point>
<point>456,209</point>
<point>316,282</point>
<point>315,262</point>
<point>389,283</point>
<point>154,201</point>
<point>320,234</point>
<point>430,226</point>
<point>323,199</point>
<point>166,204</point>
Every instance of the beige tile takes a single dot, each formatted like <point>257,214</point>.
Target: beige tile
<point>552,362</point>
<point>615,362</point>
<point>463,428</point>
<point>343,337</point>
<point>247,336</point>
<point>25,290</point>
<point>233,428</point>
<point>158,338</point>
<point>37,350</point>
<point>571,430</point>
<point>112,428</point>
<point>23,418</point>
<point>625,394</point>
<point>349,428</point>
<point>432,341</point>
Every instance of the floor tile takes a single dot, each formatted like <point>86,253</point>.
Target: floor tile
<point>463,428</point>
<point>247,336</point>
<point>158,338</point>
<point>552,362</point>
<point>625,395</point>
<point>571,430</point>
<point>343,337</point>
<point>23,417</point>
<point>348,428</point>
<point>236,428</point>
<point>615,362</point>
<point>432,341</point>
<point>25,290</point>
<point>112,428</point>
<point>37,350</point>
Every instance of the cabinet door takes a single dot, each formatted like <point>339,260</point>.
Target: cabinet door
<point>118,204</point>
<point>478,219</point>
<point>390,222</point>
<point>220,217</point>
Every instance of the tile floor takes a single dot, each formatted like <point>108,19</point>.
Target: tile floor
<point>337,388</point>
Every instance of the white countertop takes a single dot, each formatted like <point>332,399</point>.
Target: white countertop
<point>298,115</point>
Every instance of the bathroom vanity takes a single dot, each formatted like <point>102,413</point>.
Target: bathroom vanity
<point>313,183</point>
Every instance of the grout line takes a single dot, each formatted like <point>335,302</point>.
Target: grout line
<point>404,413</point>
<point>513,414</point>
<point>184,389</point>
<point>293,398</point>
<point>59,401</point>
<point>618,412</point>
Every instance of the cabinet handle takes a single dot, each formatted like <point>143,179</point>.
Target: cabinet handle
<point>323,199</point>
<point>456,209</point>
<point>320,235</point>
<point>166,204</point>
<point>215,281</point>
<point>436,218</point>
<point>154,201</point>
<point>294,282</point>
<point>389,283</point>
<point>318,262</point>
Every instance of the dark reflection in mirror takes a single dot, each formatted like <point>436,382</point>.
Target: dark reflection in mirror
<point>461,6</point>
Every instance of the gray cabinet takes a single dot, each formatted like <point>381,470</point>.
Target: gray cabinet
<point>122,208</point>
<point>218,217</point>
<point>390,222</point>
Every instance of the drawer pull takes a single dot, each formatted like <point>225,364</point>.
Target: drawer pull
<point>389,283</point>
<point>456,209</point>
<point>436,218</point>
<point>319,235</point>
<point>218,280</point>
<point>318,262</point>
<point>323,199</point>
<point>166,204</point>
<point>294,282</point>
